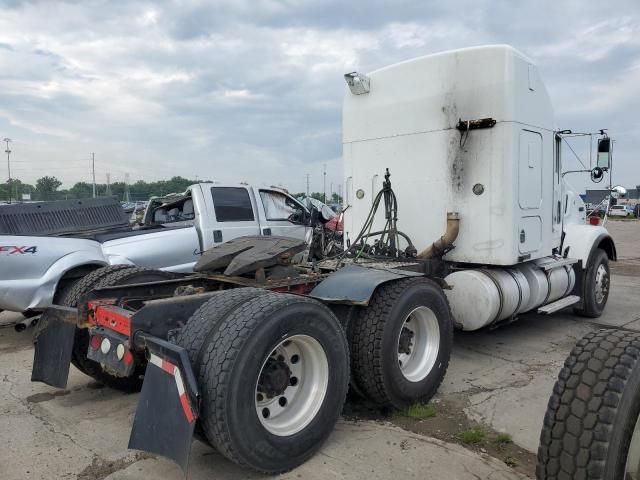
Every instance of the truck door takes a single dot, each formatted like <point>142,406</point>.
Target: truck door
<point>283,215</point>
<point>557,191</point>
<point>234,215</point>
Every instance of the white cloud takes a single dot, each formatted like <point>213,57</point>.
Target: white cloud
<point>253,89</point>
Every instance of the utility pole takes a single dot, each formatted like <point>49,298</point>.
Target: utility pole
<point>93,170</point>
<point>307,184</point>
<point>8,152</point>
<point>126,188</point>
<point>324,185</point>
<point>108,192</point>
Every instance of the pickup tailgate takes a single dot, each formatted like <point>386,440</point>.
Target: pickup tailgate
<point>62,217</point>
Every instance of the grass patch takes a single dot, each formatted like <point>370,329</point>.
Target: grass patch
<point>503,439</point>
<point>473,436</point>
<point>419,411</point>
<point>511,461</point>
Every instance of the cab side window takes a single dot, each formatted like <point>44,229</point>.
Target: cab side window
<point>278,206</point>
<point>232,204</point>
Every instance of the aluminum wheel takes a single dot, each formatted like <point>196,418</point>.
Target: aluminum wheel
<point>292,385</point>
<point>418,344</point>
<point>632,468</point>
<point>601,283</point>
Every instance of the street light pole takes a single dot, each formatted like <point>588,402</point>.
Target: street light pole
<point>324,185</point>
<point>8,152</point>
<point>93,172</point>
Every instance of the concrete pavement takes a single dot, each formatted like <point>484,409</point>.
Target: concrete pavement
<point>502,379</point>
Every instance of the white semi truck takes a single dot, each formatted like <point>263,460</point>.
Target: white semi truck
<point>254,353</point>
<point>471,141</point>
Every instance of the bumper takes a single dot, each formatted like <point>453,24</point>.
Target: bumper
<point>21,295</point>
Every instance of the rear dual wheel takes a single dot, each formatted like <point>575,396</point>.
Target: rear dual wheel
<point>401,343</point>
<point>273,375</point>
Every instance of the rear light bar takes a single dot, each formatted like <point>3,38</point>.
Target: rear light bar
<point>103,313</point>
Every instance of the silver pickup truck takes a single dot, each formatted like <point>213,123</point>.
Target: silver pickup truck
<point>176,229</point>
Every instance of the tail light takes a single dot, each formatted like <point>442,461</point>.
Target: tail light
<point>95,342</point>
<point>128,358</point>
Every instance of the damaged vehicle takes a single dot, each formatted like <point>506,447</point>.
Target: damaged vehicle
<point>46,248</point>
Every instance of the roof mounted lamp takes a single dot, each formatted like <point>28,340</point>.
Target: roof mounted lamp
<point>359,84</point>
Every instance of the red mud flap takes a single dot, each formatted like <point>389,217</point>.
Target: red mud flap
<point>53,346</point>
<point>169,403</point>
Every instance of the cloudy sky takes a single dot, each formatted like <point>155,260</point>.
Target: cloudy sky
<point>251,90</point>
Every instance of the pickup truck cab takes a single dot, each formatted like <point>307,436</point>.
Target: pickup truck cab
<point>176,229</point>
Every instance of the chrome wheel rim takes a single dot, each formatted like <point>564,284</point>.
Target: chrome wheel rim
<point>632,468</point>
<point>291,386</point>
<point>418,344</point>
<point>601,283</point>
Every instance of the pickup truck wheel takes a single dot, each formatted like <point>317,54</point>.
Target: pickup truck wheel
<point>201,325</point>
<point>401,343</point>
<point>274,378</point>
<point>120,276</point>
<point>595,285</point>
<point>591,429</point>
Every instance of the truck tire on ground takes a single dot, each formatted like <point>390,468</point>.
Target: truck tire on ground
<point>401,343</point>
<point>274,378</point>
<point>201,325</point>
<point>117,276</point>
<point>595,285</point>
<point>591,428</point>
<point>73,291</point>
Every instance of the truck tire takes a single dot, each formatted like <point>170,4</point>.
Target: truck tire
<point>73,291</point>
<point>200,326</point>
<point>117,276</point>
<point>274,378</point>
<point>595,286</point>
<point>401,343</point>
<point>591,428</point>
<point>202,323</point>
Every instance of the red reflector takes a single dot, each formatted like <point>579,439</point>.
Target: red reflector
<point>594,221</point>
<point>95,342</point>
<point>128,358</point>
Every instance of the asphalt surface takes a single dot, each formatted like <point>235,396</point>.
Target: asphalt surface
<point>504,378</point>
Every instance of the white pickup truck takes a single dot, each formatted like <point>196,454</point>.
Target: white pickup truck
<point>34,268</point>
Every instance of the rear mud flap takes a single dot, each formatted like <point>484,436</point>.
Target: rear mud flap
<point>53,345</point>
<point>169,404</point>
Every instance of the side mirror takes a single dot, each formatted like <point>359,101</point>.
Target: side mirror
<point>619,190</point>
<point>604,153</point>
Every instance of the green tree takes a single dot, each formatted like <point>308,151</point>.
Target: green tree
<point>46,187</point>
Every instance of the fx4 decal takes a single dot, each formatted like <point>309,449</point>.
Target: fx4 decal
<point>14,249</point>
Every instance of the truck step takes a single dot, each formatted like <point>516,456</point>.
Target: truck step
<point>559,304</point>
<point>557,263</point>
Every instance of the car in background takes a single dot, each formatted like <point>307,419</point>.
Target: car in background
<point>621,211</point>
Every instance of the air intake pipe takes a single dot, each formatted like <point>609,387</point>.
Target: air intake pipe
<point>445,242</point>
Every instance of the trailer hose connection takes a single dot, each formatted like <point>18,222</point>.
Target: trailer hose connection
<point>387,241</point>
<point>445,242</point>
